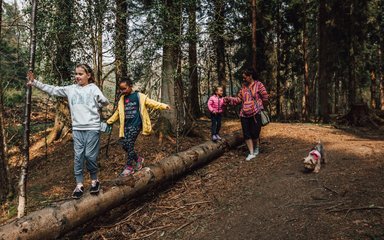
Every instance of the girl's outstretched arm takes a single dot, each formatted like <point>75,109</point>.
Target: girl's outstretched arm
<point>156,105</point>
<point>51,90</point>
<point>232,100</point>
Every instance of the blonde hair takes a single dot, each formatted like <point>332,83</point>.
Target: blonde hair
<point>88,70</point>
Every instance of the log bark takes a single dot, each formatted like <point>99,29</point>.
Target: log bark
<point>54,221</point>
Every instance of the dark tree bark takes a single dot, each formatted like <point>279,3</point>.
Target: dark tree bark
<point>121,40</point>
<point>21,209</point>
<point>171,34</point>
<point>230,75</point>
<point>97,13</point>
<point>323,62</point>
<point>381,65</point>
<point>278,63</point>
<point>193,77</point>
<point>4,190</point>
<point>220,42</point>
<point>305,105</point>
<point>254,29</point>
<point>373,87</point>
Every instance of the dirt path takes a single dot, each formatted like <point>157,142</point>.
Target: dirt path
<point>268,198</point>
<point>280,202</point>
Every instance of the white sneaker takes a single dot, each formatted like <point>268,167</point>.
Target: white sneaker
<point>256,151</point>
<point>250,157</point>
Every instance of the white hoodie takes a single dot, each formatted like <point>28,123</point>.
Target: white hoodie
<point>84,103</point>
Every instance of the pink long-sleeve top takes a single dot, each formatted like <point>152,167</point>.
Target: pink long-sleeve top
<point>258,91</point>
<point>216,104</point>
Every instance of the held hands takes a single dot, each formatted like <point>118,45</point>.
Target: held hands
<point>30,78</point>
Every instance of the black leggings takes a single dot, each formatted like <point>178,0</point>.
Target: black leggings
<point>128,143</point>
<point>251,126</point>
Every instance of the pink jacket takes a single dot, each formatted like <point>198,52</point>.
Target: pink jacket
<point>216,104</point>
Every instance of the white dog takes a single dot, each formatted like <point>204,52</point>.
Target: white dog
<point>315,158</point>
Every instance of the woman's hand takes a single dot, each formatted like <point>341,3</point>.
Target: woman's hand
<point>30,78</point>
<point>168,107</point>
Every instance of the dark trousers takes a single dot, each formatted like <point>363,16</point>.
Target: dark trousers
<point>216,123</point>
<point>251,126</point>
<point>128,143</point>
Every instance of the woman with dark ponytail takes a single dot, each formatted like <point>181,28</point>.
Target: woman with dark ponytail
<point>252,95</point>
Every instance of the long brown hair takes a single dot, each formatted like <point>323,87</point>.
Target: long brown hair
<point>88,70</point>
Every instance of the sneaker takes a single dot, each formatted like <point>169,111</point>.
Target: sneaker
<point>139,163</point>
<point>214,138</point>
<point>250,157</point>
<point>78,192</point>
<point>128,170</point>
<point>218,137</point>
<point>95,187</point>
<point>256,151</point>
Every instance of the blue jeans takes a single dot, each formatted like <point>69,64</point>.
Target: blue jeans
<point>216,123</point>
<point>86,145</point>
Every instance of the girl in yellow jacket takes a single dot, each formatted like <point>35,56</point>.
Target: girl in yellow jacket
<point>133,116</point>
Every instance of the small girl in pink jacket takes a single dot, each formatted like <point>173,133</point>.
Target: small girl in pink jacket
<point>216,107</point>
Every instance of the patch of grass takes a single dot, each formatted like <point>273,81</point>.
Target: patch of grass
<point>12,211</point>
<point>13,97</point>
<point>17,131</point>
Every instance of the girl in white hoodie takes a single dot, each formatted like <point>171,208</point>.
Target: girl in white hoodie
<point>84,99</point>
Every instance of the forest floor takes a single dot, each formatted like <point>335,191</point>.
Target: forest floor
<point>269,197</point>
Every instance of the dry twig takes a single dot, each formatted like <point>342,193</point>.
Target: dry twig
<point>145,236</point>
<point>329,189</point>
<point>357,209</point>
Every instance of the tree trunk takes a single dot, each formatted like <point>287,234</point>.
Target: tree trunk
<point>220,42</point>
<point>254,29</point>
<point>351,59</point>
<point>305,103</point>
<point>361,115</point>
<point>52,222</point>
<point>337,94</point>
<point>230,76</point>
<point>121,40</point>
<point>381,70</point>
<point>171,32</point>
<point>96,11</point>
<point>100,11</point>
<point>21,209</point>
<point>193,77</point>
<point>373,87</point>
<point>62,69</point>
<point>323,62</point>
<point>278,64</point>
<point>4,190</point>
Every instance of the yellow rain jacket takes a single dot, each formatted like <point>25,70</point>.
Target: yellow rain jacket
<point>144,102</point>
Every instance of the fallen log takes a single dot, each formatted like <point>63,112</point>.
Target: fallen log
<point>54,221</point>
